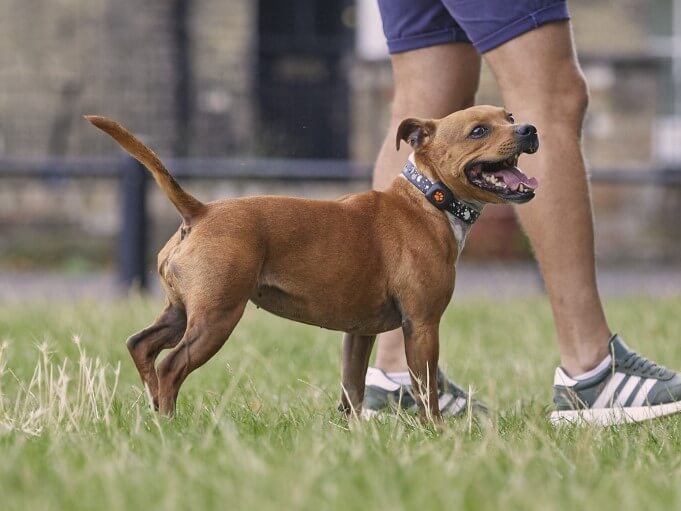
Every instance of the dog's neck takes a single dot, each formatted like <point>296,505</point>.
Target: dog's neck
<point>460,227</point>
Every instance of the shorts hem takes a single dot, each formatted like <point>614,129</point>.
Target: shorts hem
<point>416,42</point>
<point>555,12</point>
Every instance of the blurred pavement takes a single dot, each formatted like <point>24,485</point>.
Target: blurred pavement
<point>506,280</point>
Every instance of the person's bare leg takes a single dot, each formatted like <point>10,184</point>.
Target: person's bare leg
<point>542,83</point>
<point>430,82</point>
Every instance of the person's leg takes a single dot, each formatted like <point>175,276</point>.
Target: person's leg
<point>430,83</point>
<point>601,381</point>
<point>541,83</point>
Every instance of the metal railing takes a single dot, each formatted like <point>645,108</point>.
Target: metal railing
<point>133,179</point>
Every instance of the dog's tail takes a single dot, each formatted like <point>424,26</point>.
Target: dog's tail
<point>188,205</point>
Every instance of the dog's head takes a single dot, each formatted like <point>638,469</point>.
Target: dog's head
<point>475,153</point>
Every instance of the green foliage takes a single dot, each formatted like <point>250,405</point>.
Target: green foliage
<point>257,427</point>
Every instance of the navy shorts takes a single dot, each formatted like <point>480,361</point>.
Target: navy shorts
<point>412,24</point>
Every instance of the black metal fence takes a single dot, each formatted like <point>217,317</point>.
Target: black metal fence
<point>133,180</point>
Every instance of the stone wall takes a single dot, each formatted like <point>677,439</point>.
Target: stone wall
<point>63,58</point>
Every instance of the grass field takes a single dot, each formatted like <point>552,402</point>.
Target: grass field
<point>257,427</point>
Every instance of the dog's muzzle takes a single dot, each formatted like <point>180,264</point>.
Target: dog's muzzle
<point>528,141</point>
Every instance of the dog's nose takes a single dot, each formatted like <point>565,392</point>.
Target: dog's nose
<point>525,130</point>
<point>527,138</point>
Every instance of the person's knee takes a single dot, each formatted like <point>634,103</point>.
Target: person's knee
<point>573,96</point>
<point>556,97</point>
<point>564,99</point>
<point>412,102</point>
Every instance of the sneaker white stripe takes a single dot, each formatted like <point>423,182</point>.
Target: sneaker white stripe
<point>635,392</point>
<point>444,400</point>
<point>378,378</point>
<point>456,407</point>
<point>605,398</point>
<point>461,403</point>
<point>643,392</point>
<point>627,390</point>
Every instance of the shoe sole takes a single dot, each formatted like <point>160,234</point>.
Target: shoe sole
<point>614,416</point>
<point>462,410</point>
<point>367,414</point>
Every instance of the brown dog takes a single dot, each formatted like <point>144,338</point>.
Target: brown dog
<point>363,264</point>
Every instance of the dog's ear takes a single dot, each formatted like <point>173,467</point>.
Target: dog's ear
<point>416,132</point>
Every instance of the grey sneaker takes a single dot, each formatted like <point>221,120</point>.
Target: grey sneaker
<point>385,395</point>
<point>633,389</point>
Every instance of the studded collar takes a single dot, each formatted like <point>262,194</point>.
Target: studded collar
<point>439,195</point>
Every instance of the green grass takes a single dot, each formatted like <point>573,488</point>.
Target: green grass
<point>257,427</point>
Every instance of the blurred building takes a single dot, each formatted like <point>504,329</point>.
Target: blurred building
<point>224,77</point>
<point>306,78</point>
<point>201,77</point>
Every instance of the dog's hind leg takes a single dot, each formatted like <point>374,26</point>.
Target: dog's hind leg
<point>206,333</point>
<point>356,353</point>
<point>165,332</point>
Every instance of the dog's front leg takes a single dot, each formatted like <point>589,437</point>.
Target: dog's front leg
<point>356,353</point>
<point>422,348</point>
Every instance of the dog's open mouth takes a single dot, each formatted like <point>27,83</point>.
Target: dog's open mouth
<point>502,178</point>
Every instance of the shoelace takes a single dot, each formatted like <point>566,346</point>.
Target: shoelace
<point>636,363</point>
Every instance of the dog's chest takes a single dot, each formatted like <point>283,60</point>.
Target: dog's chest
<point>460,230</point>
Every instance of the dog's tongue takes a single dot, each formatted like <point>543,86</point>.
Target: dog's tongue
<point>512,177</point>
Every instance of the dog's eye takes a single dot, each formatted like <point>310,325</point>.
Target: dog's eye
<point>510,118</point>
<point>479,131</point>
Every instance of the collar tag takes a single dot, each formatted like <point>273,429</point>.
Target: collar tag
<point>439,195</point>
